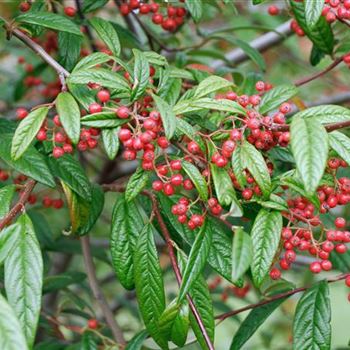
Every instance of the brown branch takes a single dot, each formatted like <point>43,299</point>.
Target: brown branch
<point>225,315</point>
<point>98,294</point>
<point>19,206</point>
<point>328,127</point>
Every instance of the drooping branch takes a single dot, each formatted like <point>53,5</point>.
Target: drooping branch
<point>98,294</point>
<point>225,315</point>
<point>20,205</point>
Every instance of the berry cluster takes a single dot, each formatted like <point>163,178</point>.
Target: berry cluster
<point>169,20</point>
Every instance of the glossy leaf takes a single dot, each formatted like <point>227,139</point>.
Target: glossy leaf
<point>197,179</point>
<point>242,253</point>
<point>253,160</point>
<point>273,98</point>
<point>69,46</point>
<point>311,326</point>
<point>92,60</point>
<point>69,113</point>
<point>167,116</point>
<point>102,120</point>
<point>210,85</point>
<point>141,75</point>
<point>6,196</point>
<point>313,11</point>
<point>196,9</point>
<point>24,279</point>
<point>149,283</point>
<point>326,114</point>
<point>237,166</point>
<point>107,34</point>
<point>196,260</point>
<point>136,342</point>
<point>341,144</point>
<point>11,335</point>
<point>181,326</point>
<point>26,131</point>
<point>266,233</point>
<point>136,183</point>
<point>126,226</point>
<point>49,20</point>
<point>111,142</point>
<point>309,142</point>
<point>8,238</point>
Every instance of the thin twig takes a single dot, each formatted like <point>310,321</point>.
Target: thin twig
<point>328,127</point>
<point>225,315</point>
<point>98,294</point>
<point>20,205</point>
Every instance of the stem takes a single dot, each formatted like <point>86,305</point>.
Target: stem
<point>19,206</point>
<point>328,127</point>
<point>222,317</point>
<point>97,292</point>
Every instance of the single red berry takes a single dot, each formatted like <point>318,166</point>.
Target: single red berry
<point>70,11</point>
<point>95,108</point>
<point>57,203</point>
<point>197,219</point>
<point>134,4</point>
<point>93,323</point>
<point>154,7</point>
<point>340,222</point>
<point>59,137</point>
<point>41,135</point>
<point>68,148</point>
<point>315,267</point>
<point>103,96</point>
<point>341,248</point>
<point>124,134</point>
<point>176,164</point>
<point>285,108</point>
<point>275,274</point>
<point>24,6</point>
<point>247,194</point>
<point>326,265</point>
<point>284,264</point>
<point>168,189</point>
<point>145,8</point>
<point>124,9</point>
<point>273,10</point>
<point>157,185</point>
<point>176,180</point>
<point>57,152</point>
<point>123,112</point>
<point>260,86</point>
<point>193,147</point>
<point>47,202</point>
<point>188,185</point>
<point>163,142</point>
<point>221,162</point>
<point>347,281</point>
<point>290,255</point>
<point>21,113</point>
<point>216,210</point>
<point>157,18</point>
<point>182,218</point>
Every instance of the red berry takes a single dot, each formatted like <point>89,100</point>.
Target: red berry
<point>275,274</point>
<point>273,10</point>
<point>68,148</point>
<point>95,108</point>
<point>285,108</point>
<point>188,185</point>
<point>129,154</point>
<point>168,189</point>
<point>144,9</point>
<point>157,18</point>
<point>286,233</point>
<point>124,9</point>
<point>124,135</point>
<point>93,323</point>
<point>247,194</point>
<point>21,113</point>
<point>163,142</point>
<point>157,185</point>
<point>315,267</point>
<point>57,203</point>
<point>260,86</point>
<point>59,137</point>
<point>70,11</point>
<point>47,202</point>
<point>41,135</point>
<point>24,6</point>
<point>347,281</point>
<point>123,112</point>
<point>176,180</point>
<point>341,248</point>
<point>182,218</point>
<point>326,265</point>
<point>57,152</point>
<point>340,222</point>
<point>176,164</point>
<point>103,96</point>
<point>193,147</point>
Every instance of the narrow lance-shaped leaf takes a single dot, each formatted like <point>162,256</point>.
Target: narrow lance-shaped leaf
<point>313,11</point>
<point>24,278</point>
<point>136,183</point>
<point>242,253</point>
<point>197,179</point>
<point>8,237</point>
<point>141,75</point>
<point>111,142</point>
<point>107,33</point>
<point>26,131</point>
<point>326,114</point>
<point>69,113</point>
<point>196,260</point>
<point>149,284</point>
<point>311,326</point>
<point>167,115</point>
<point>196,9</point>
<point>11,335</point>
<point>6,195</point>
<point>266,233</point>
<point>211,84</point>
<point>309,142</point>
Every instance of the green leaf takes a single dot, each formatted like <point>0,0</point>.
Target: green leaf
<point>326,114</point>
<point>341,262</point>
<point>197,179</point>
<point>311,326</point>
<point>107,34</point>
<point>225,191</point>
<point>141,75</point>
<point>92,5</point>
<point>252,322</point>
<point>253,160</point>
<point>237,166</point>
<point>242,253</point>
<point>69,170</point>
<point>103,120</point>
<point>63,280</point>
<point>111,142</point>
<point>24,279</point>
<point>126,226</point>
<point>32,163</point>
<point>68,49</point>
<point>313,11</point>
<point>82,94</point>
<point>276,96</point>
<point>309,143</point>
<point>8,237</point>
<point>69,114</point>
<point>49,20</point>
<point>181,326</point>
<point>167,319</point>
<point>266,233</point>
<point>320,34</point>
<point>210,85</point>
<point>202,300</point>
<point>167,115</point>
<point>136,183</point>
<point>102,77</point>
<point>26,131</point>
<point>196,9</point>
<point>92,60</point>
<point>11,336</point>
<point>341,144</point>
<point>149,284</point>
<point>196,260</point>
<point>6,196</point>
<point>83,214</point>
<point>88,341</point>
<point>136,342</point>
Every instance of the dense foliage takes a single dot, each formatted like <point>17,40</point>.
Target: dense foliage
<point>131,145</point>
